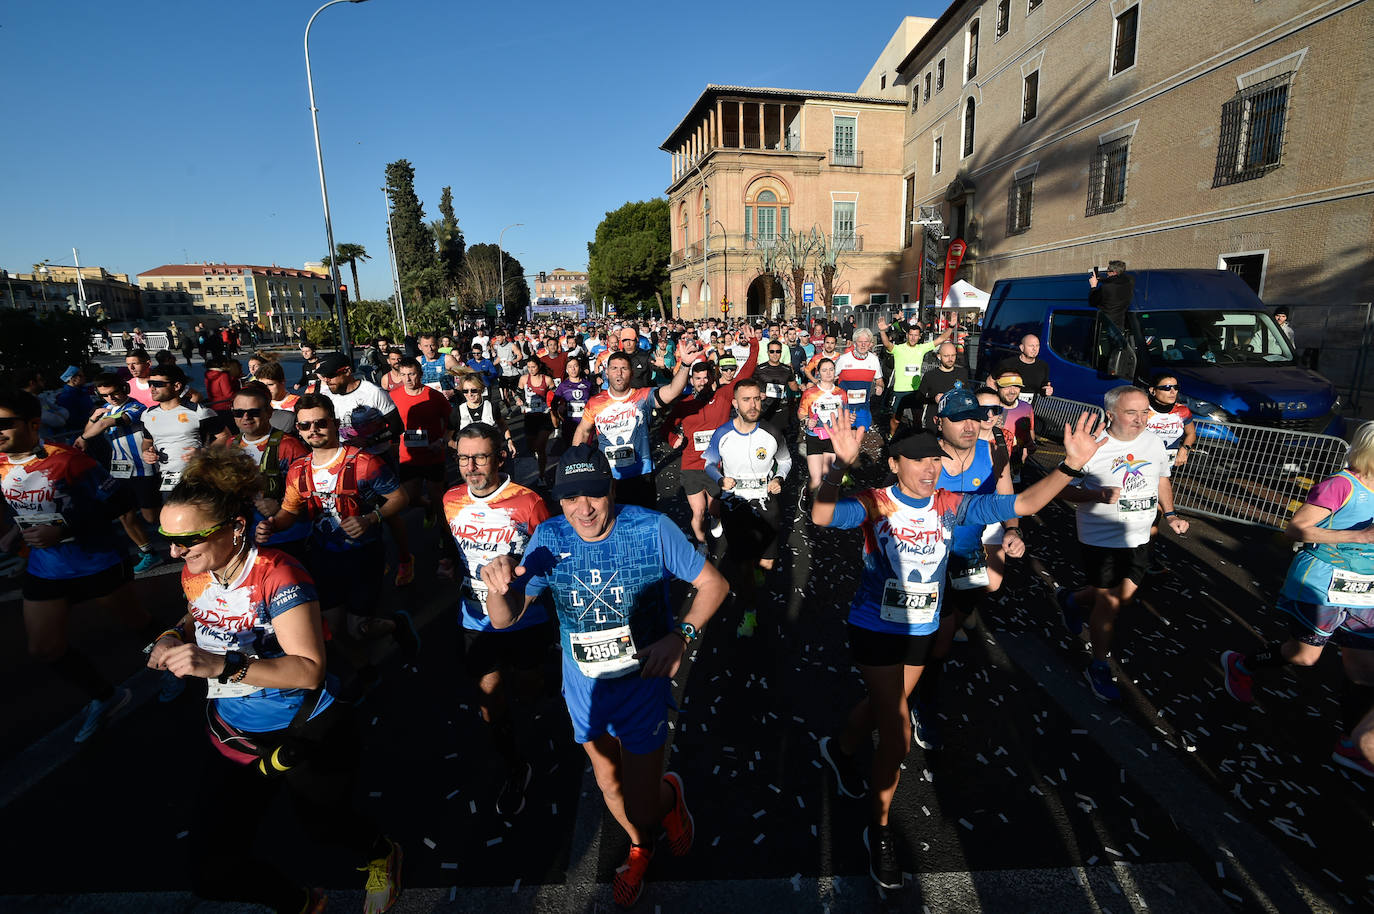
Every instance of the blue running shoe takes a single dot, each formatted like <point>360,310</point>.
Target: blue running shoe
<point>1103,682</point>
<point>1072,622</point>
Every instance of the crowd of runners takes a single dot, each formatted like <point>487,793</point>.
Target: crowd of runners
<point>286,501</point>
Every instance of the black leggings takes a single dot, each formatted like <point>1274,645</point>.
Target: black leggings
<point>232,799</point>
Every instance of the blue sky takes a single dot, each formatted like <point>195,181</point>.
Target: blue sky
<point>146,132</point>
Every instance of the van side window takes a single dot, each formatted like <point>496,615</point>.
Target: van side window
<point>1071,336</point>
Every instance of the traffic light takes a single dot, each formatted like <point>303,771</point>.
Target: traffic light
<point>343,294</point>
<point>543,277</point>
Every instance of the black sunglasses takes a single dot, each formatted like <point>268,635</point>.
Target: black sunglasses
<point>246,413</point>
<point>159,383</point>
<point>318,425</point>
<point>1166,387</point>
<point>9,422</point>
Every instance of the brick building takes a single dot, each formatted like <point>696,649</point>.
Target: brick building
<point>1054,135</point>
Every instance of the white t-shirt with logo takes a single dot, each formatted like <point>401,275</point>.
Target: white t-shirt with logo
<point>365,395</point>
<point>175,433</point>
<point>1135,467</point>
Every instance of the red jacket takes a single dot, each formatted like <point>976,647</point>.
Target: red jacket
<point>221,387</point>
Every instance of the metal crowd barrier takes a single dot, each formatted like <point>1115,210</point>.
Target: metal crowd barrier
<point>1248,474</point>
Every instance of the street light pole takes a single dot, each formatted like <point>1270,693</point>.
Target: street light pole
<point>724,263</point>
<point>345,343</point>
<point>501,263</point>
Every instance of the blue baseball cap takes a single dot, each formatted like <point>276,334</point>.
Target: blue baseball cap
<point>960,404</point>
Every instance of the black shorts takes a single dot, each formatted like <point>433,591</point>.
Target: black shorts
<point>77,590</point>
<point>815,445</point>
<point>637,490</point>
<point>751,529</point>
<point>907,401</point>
<point>145,489</point>
<point>870,648</point>
<point>509,382</point>
<point>433,472</point>
<point>351,578</point>
<point>537,423</point>
<point>1107,567</point>
<point>694,481</point>
<point>522,649</point>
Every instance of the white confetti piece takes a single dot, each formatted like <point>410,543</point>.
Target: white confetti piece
<point>800,802</point>
<point>429,843</point>
<point>1091,860</point>
<point>966,823</point>
<point>494,841</point>
<point>472,806</point>
<point>182,834</point>
<point>1221,870</point>
<point>760,814</point>
<point>715,841</point>
<point>448,866</point>
<point>515,888</point>
<point>759,838</point>
<point>452,892</point>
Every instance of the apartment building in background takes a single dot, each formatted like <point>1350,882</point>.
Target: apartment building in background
<point>1055,135</point>
<point>561,286</point>
<point>276,298</point>
<point>755,168</point>
<point>53,287</point>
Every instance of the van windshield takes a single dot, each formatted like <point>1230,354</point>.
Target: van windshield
<point>1207,337</point>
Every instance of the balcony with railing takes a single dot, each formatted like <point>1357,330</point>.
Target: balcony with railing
<point>851,158</point>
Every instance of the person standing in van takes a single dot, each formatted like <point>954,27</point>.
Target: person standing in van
<point>1111,296</point>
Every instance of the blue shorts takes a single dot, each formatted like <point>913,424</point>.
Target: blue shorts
<point>1318,624</point>
<point>633,710</point>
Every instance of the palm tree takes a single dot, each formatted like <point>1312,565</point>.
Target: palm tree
<point>351,254</point>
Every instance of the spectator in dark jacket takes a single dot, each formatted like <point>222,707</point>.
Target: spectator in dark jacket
<point>1111,294</point>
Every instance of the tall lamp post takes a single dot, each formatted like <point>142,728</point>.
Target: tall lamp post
<point>501,262</point>
<point>724,264</point>
<point>345,343</point>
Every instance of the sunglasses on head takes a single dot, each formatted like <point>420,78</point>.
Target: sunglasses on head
<point>253,413</point>
<point>318,425</point>
<point>1166,387</point>
<point>195,537</point>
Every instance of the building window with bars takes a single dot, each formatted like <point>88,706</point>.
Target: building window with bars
<point>909,230</point>
<point>926,94</point>
<point>1252,131</point>
<point>843,225</point>
<point>843,152</point>
<point>968,128</point>
<point>939,76</point>
<point>1019,205</point>
<point>1003,17</point>
<point>1030,95</point>
<point>1124,40</point>
<point>1107,182</point>
<point>972,53</point>
<point>936,155</point>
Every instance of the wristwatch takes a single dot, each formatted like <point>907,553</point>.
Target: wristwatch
<point>688,631</point>
<point>233,663</point>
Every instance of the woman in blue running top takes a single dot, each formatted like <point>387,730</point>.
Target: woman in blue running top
<point>1328,597</point>
<point>253,632</point>
<point>908,533</point>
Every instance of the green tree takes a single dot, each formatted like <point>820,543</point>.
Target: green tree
<point>323,333</point>
<point>628,261</point>
<point>451,244</point>
<point>370,319</point>
<point>49,342</point>
<point>482,280</point>
<point>350,254</point>
<point>416,261</point>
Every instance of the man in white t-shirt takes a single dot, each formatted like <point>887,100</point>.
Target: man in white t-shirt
<point>175,429</point>
<point>1116,501</point>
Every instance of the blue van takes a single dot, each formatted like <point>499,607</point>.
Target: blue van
<point>1207,327</point>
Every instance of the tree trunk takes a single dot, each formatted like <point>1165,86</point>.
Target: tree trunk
<point>827,291</point>
<point>353,268</point>
<point>661,313</point>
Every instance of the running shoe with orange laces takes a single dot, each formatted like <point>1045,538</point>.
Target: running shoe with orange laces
<point>405,571</point>
<point>629,878</point>
<point>678,823</point>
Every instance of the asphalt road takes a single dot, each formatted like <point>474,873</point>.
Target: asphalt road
<point>1043,799</point>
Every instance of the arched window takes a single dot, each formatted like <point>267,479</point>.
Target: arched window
<point>968,127</point>
<point>685,299</point>
<point>686,227</point>
<point>769,218</point>
<point>705,298</point>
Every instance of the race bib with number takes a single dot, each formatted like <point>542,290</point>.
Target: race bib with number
<point>1137,504</point>
<point>169,480</point>
<point>751,489</point>
<point>41,519</point>
<point>621,457</point>
<point>912,369</point>
<point>415,438</point>
<point>702,440</point>
<point>475,590</point>
<point>910,603</point>
<point>121,469</point>
<point>604,654</point>
<point>575,409</point>
<point>216,689</point>
<point>825,412</point>
<point>858,396</point>
<point>1351,589</point>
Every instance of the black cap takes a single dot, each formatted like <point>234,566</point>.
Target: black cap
<point>582,470</point>
<point>332,364</point>
<point>916,446</point>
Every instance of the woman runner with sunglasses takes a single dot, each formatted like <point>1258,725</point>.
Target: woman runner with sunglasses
<point>472,405</point>
<point>253,631</point>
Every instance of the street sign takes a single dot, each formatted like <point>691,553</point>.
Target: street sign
<point>808,291</point>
